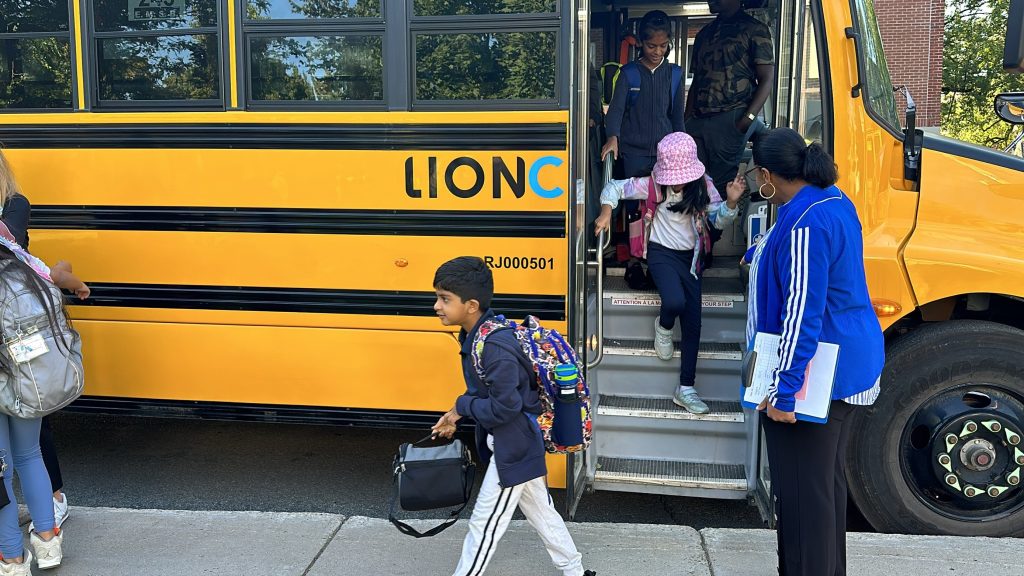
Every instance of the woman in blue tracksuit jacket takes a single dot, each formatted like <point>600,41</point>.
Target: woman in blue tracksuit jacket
<point>807,284</point>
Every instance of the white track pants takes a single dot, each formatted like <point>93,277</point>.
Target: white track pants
<point>493,512</point>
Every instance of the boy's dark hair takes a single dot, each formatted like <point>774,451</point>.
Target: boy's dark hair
<point>468,278</point>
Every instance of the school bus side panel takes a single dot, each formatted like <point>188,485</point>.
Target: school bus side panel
<point>969,234</point>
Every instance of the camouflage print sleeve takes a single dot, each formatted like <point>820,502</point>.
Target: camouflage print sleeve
<point>761,49</point>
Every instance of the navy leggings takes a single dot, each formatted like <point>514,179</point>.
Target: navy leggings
<point>680,298</point>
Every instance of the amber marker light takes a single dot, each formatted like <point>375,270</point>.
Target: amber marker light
<point>885,308</point>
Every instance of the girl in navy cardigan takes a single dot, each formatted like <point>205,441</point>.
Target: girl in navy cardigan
<point>807,284</point>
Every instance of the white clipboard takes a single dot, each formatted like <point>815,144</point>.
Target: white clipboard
<point>814,399</point>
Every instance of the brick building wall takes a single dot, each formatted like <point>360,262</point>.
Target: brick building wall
<point>912,37</point>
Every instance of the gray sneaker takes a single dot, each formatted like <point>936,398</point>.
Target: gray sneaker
<point>688,398</point>
<point>663,345</point>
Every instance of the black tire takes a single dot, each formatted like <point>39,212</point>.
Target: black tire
<point>920,367</point>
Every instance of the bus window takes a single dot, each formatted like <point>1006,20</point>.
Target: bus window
<point>811,118</point>
<point>877,85</point>
<point>461,7</point>
<point>180,64</point>
<point>494,53</point>
<point>314,51</point>
<point>303,9</point>
<point>35,55</point>
<point>486,66</point>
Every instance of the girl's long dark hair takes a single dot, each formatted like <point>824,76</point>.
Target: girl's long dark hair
<point>653,22</point>
<point>13,269</point>
<point>695,197</point>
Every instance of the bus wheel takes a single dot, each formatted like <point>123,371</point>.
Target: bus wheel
<point>942,450</point>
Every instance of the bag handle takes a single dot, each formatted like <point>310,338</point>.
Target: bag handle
<point>453,516</point>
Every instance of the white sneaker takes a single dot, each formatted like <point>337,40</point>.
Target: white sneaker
<point>23,568</point>
<point>48,552</point>
<point>688,398</point>
<point>663,345</point>
<point>60,513</point>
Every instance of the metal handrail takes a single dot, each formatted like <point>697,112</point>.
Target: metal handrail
<point>603,240</point>
<point>599,264</point>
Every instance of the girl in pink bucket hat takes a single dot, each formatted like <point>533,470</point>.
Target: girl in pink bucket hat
<point>678,203</point>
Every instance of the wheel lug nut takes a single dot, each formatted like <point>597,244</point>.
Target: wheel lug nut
<point>952,439</point>
<point>951,479</point>
<point>971,427</point>
<point>1014,439</point>
<point>1020,460</point>
<point>944,459</point>
<point>993,492</point>
<point>996,426</point>
<point>1013,480</point>
<point>970,492</point>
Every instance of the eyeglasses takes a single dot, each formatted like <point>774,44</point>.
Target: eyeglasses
<point>749,170</point>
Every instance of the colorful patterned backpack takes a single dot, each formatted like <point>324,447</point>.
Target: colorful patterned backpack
<point>543,349</point>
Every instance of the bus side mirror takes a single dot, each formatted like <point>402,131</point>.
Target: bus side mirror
<point>1013,52</point>
<point>913,139</point>
<point>1010,107</point>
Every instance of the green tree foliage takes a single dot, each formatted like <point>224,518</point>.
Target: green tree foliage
<point>329,67</point>
<point>481,66</point>
<point>35,72</point>
<point>464,7</point>
<point>268,9</point>
<point>485,66</point>
<point>972,72</point>
<point>33,15</point>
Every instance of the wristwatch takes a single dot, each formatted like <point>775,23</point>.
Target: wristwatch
<point>751,117</point>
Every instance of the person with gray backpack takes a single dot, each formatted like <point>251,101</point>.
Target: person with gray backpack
<point>16,214</point>
<point>40,373</point>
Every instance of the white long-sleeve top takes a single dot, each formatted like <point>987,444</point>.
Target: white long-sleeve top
<point>673,230</point>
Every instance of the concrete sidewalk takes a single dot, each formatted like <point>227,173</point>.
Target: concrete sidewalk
<point>121,542</point>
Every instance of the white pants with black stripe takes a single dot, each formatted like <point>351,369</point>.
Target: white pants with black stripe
<point>493,512</point>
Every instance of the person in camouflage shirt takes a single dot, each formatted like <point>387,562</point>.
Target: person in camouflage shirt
<point>733,68</point>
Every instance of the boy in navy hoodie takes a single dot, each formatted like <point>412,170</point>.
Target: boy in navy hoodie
<point>507,435</point>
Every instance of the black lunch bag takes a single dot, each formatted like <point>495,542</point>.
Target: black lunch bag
<point>431,477</point>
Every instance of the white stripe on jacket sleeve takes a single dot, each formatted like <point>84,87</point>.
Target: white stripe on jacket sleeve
<point>795,304</point>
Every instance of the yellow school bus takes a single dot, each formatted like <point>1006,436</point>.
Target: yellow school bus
<point>259,192</point>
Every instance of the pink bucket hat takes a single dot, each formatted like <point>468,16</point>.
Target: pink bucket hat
<point>677,160</point>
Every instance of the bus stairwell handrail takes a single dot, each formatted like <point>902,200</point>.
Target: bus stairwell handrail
<point>603,239</point>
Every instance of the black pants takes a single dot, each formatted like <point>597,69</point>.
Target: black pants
<point>719,145</point>
<point>634,165</point>
<point>680,298</point>
<point>809,485</point>
<point>49,451</point>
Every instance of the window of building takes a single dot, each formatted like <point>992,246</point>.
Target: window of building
<point>492,53</point>
<point>35,55</point>
<point>150,52</point>
<point>327,53</point>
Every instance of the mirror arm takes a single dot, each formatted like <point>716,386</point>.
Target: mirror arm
<point>911,149</point>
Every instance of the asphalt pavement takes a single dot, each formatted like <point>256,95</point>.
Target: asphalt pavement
<point>169,464</point>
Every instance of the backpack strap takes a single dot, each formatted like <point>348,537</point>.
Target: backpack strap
<point>453,516</point>
<point>632,73</point>
<point>677,76</point>
<point>486,329</point>
<point>609,76</point>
